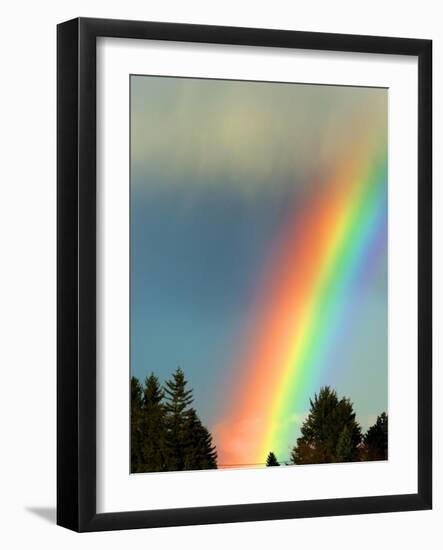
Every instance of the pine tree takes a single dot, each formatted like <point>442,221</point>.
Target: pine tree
<point>324,428</point>
<point>178,401</point>
<point>167,435</point>
<point>200,452</point>
<point>136,430</point>
<point>344,451</point>
<point>153,427</point>
<point>375,441</point>
<point>272,460</point>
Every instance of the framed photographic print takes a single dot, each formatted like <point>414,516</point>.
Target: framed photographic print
<point>244,274</point>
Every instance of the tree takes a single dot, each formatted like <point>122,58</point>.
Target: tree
<point>375,441</point>
<point>272,460</point>
<point>330,432</point>
<point>177,407</point>
<point>153,427</point>
<point>200,452</point>
<point>344,450</point>
<point>166,433</point>
<point>136,432</point>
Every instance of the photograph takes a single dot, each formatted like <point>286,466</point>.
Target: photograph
<point>222,259</point>
<point>258,273</point>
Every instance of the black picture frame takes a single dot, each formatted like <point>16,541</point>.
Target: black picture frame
<point>76,280</point>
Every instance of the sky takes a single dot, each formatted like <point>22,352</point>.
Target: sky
<point>219,171</point>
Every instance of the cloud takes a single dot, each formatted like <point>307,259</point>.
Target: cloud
<point>200,132</point>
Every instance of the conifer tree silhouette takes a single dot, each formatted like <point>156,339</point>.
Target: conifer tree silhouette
<point>344,449</point>
<point>272,460</point>
<point>329,428</point>
<point>136,431</point>
<point>177,407</point>
<point>153,427</point>
<point>376,439</point>
<point>200,452</point>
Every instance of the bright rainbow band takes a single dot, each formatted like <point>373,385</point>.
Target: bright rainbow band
<point>302,306</point>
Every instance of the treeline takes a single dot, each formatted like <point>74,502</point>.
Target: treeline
<point>168,435</point>
<point>166,432</point>
<point>331,433</point>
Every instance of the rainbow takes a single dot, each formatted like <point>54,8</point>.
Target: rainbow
<point>302,305</point>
